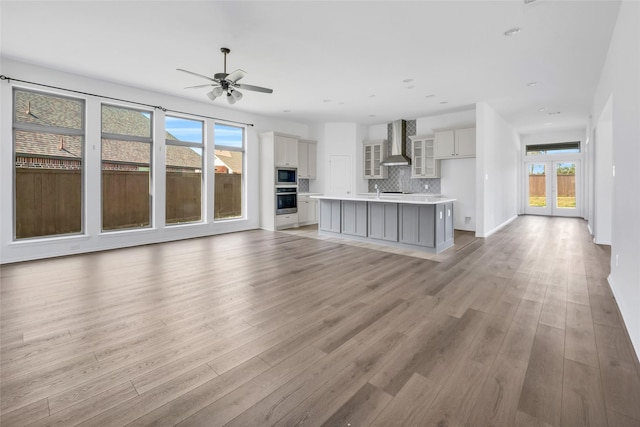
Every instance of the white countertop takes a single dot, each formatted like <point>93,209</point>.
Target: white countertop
<point>309,194</point>
<point>414,199</point>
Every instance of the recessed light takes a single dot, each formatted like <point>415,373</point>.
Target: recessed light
<point>407,80</point>
<point>512,31</point>
<point>532,84</point>
<point>326,100</point>
<point>542,109</point>
<point>431,95</point>
<point>286,111</point>
<point>553,113</point>
<point>372,115</point>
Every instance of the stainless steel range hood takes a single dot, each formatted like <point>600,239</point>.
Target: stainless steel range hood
<point>398,155</point>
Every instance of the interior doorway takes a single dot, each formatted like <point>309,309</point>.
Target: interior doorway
<point>553,188</point>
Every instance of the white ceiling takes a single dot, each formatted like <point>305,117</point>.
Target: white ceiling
<point>332,61</point>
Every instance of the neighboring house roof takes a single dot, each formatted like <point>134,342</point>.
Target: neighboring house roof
<point>58,111</point>
<point>231,159</point>
<point>114,120</point>
<point>32,144</point>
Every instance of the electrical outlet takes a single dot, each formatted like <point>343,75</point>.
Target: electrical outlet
<point>467,219</point>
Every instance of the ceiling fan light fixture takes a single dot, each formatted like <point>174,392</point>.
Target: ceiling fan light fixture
<point>237,95</point>
<point>212,96</point>
<point>217,91</point>
<point>230,99</point>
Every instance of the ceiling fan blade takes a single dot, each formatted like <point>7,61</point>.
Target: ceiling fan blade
<point>200,86</point>
<point>236,75</point>
<point>254,88</point>
<point>196,74</point>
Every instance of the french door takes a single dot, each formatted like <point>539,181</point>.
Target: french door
<point>553,188</point>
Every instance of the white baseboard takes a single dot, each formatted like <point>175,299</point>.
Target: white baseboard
<point>489,233</point>
<point>634,332</point>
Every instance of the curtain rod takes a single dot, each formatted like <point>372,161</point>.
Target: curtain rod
<point>9,79</point>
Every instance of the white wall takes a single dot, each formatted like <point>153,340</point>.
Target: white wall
<point>620,81</point>
<point>93,239</point>
<point>340,139</point>
<point>459,181</point>
<point>603,177</point>
<point>497,171</point>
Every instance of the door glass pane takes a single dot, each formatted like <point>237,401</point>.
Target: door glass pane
<point>537,185</point>
<point>566,185</point>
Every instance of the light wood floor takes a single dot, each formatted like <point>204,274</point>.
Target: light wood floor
<point>267,328</point>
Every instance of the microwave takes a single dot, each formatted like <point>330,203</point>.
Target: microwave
<point>286,176</point>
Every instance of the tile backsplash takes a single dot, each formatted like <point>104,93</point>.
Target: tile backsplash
<point>399,177</point>
<point>303,185</point>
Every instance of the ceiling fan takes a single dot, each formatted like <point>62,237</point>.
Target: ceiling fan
<point>226,83</point>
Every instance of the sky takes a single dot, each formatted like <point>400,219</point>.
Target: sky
<point>191,131</point>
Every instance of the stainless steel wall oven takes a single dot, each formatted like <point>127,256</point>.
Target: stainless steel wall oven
<point>286,200</point>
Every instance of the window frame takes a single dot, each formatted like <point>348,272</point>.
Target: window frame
<point>552,148</point>
<point>129,138</point>
<point>243,185</point>
<point>190,144</point>
<point>55,130</point>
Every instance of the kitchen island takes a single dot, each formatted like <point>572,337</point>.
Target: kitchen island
<point>411,221</point>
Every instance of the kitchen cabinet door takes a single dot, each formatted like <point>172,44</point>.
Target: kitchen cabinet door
<point>444,145</point>
<point>383,221</point>
<point>312,159</point>
<point>416,224</point>
<point>286,221</point>
<point>354,218</point>
<point>374,153</point>
<point>286,151</point>
<point>303,160</point>
<point>465,141</point>
<point>423,162</point>
<point>453,144</point>
<point>330,215</point>
<point>307,210</point>
<point>303,209</point>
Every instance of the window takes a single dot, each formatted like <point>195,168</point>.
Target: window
<point>184,149</point>
<point>559,148</point>
<point>126,168</point>
<point>48,135</point>
<point>229,166</point>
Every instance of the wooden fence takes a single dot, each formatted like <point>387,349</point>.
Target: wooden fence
<point>49,201</point>
<point>566,185</point>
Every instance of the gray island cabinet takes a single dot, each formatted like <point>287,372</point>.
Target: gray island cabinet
<point>416,222</point>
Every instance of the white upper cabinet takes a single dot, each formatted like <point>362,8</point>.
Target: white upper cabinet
<point>307,159</point>
<point>374,152</point>
<point>453,144</point>
<point>423,162</point>
<point>465,140</point>
<point>286,151</point>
